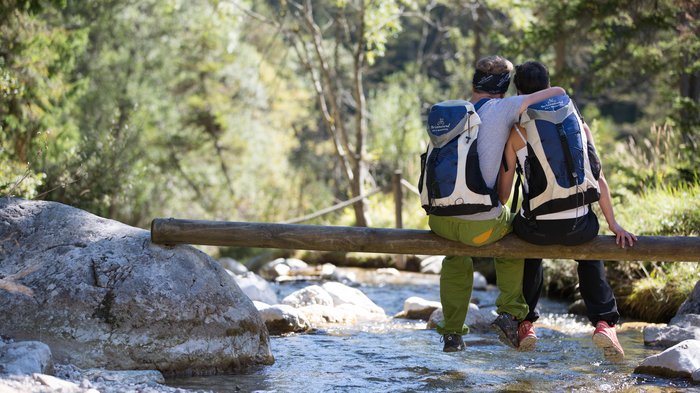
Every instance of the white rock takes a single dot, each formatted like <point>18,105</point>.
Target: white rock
<point>360,313</point>
<point>415,303</point>
<point>681,360</point>
<point>478,320</point>
<point>389,271</point>
<point>256,288</point>
<point>432,264</point>
<point>56,383</point>
<point>296,264</point>
<point>343,276</point>
<point>479,281</point>
<point>282,267</point>
<point>313,294</point>
<point>327,270</point>
<point>343,294</point>
<point>281,319</point>
<point>25,358</point>
<point>318,315</point>
<point>418,308</point>
<point>233,265</point>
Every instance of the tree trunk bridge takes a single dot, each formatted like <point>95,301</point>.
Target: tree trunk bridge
<point>172,231</point>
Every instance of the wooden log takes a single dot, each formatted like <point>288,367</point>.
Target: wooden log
<point>408,241</point>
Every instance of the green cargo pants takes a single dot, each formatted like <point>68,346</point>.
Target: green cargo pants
<point>457,275</point>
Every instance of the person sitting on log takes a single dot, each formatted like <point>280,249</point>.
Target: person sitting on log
<point>553,148</point>
<point>476,220</point>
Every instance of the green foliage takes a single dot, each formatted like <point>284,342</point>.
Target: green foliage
<point>657,297</point>
<point>664,211</point>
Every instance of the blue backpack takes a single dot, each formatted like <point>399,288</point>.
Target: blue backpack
<point>451,182</point>
<point>562,168</point>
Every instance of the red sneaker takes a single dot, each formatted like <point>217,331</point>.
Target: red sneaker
<point>526,336</point>
<point>605,338</point>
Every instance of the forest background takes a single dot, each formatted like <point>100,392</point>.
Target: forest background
<point>268,110</point>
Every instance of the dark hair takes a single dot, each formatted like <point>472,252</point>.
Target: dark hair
<point>530,77</point>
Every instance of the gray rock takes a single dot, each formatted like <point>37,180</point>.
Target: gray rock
<point>686,321</point>
<point>25,358</point>
<point>233,265</point>
<point>478,319</point>
<point>691,305</point>
<point>696,375</point>
<point>282,318</point>
<point>666,336</point>
<point>256,288</point>
<point>681,327</point>
<point>343,294</point>
<point>282,267</point>
<point>418,308</point>
<point>313,294</point>
<point>99,294</point>
<point>681,360</point>
<point>133,377</point>
<point>578,308</point>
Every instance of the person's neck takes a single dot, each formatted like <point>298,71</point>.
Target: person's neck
<point>479,95</point>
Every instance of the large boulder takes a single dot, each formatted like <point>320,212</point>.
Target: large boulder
<point>100,294</point>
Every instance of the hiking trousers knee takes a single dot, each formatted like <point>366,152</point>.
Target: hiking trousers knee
<point>457,275</point>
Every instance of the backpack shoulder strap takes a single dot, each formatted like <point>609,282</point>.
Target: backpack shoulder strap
<point>480,103</point>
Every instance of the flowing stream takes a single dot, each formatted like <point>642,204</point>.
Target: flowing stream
<point>402,356</point>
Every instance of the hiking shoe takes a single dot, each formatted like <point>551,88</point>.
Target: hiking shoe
<point>526,336</point>
<point>453,342</point>
<point>605,338</point>
<point>507,328</point>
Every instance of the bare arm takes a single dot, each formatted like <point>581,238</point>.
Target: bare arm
<point>541,95</point>
<point>605,203</point>
<point>505,178</point>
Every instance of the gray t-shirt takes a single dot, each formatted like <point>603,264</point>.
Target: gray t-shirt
<point>497,117</point>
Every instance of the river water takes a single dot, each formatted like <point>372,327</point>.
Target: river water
<point>402,356</point>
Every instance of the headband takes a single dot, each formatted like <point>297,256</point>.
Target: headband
<point>491,83</point>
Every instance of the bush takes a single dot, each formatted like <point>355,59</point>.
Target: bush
<point>657,297</point>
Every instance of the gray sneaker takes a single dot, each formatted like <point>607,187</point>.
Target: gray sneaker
<point>507,328</point>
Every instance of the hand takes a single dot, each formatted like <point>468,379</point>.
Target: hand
<point>622,236</point>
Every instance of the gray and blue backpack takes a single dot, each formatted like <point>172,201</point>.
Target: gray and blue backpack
<point>562,168</point>
<point>451,182</point>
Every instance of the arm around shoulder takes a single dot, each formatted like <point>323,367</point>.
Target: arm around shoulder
<point>541,95</point>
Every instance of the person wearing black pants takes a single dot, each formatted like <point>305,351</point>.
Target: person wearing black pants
<point>595,289</point>
<point>569,225</point>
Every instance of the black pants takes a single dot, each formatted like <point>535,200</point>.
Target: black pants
<point>595,289</point>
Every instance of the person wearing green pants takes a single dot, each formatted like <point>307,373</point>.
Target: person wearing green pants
<point>497,115</point>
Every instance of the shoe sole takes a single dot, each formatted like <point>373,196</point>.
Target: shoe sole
<point>610,350</point>
<point>527,344</point>
<point>503,337</point>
